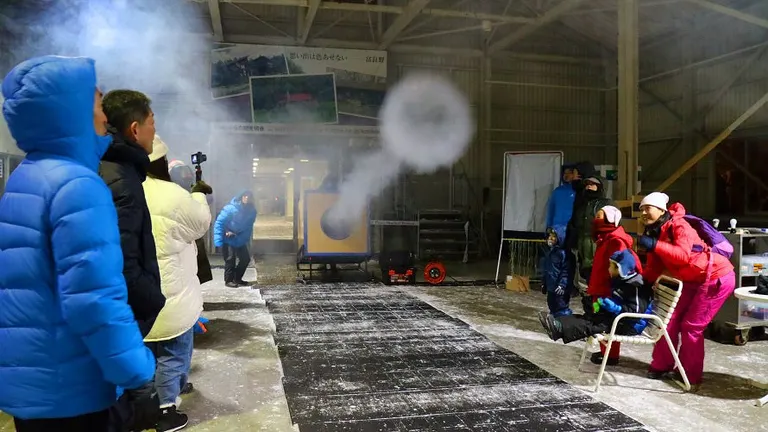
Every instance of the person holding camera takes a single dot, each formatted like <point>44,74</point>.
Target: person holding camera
<point>182,175</point>
<point>179,218</point>
<point>232,232</point>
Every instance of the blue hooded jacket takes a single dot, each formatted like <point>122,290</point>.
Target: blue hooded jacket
<point>237,218</point>
<point>67,335</point>
<point>555,268</point>
<point>628,292</point>
<point>560,205</point>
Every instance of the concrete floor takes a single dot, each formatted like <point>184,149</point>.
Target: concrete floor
<point>236,369</point>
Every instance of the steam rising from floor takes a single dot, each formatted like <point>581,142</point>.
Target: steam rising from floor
<point>425,125</point>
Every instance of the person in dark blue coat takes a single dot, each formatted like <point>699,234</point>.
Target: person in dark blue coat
<point>555,273</point>
<point>628,295</point>
<point>560,204</point>
<point>67,334</point>
<point>232,232</point>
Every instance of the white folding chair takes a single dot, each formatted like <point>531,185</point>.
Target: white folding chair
<point>667,293</point>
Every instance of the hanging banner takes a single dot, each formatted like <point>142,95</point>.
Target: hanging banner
<point>292,129</point>
<point>299,85</point>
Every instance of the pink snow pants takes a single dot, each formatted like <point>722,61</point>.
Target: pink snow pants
<point>697,307</point>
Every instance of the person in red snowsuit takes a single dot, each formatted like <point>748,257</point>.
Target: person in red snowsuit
<point>676,249</point>
<point>610,238</point>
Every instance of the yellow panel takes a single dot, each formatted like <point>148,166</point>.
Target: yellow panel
<point>318,243</point>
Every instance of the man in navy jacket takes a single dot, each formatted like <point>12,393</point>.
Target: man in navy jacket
<point>67,334</point>
<point>124,168</point>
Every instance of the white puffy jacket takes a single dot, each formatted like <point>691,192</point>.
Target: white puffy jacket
<point>178,219</point>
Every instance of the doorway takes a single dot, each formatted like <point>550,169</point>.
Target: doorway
<point>273,195</point>
<point>279,185</point>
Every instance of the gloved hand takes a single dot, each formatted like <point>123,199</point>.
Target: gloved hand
<point>202,187</point>
<point>560,291</point>
<point>596,307</point>
<point>200,327</point>
<point>609,306</point>
<point>647,242</point>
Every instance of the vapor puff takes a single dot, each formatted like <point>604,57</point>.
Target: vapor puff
<point>158,47</point>
<point>425,124</point>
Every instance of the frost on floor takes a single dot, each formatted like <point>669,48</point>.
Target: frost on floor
<point>724,403</point>
<point>238,378</point>
<point>360,357</point>
<point>235,368</point>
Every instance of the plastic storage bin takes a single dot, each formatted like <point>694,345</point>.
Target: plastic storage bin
<point>754,265</point>
<point>753,312</point>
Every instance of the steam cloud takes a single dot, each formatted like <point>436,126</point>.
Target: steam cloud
<point>156,47</point>
<point>425,124</point>
<point>161,48</point>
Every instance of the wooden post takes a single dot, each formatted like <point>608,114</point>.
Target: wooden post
<point>629,71</point>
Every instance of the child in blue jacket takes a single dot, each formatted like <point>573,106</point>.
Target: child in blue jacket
<point>555,273</point>
<point>628,294</point>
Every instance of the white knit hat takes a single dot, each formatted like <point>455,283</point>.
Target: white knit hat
<point>612,215</point>
<point>159,149</point>
<point>656,199</point>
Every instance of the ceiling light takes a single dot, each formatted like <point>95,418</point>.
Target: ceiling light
<point>255,164</point>
<point>255,159</point>
<point>305,160</point>
<point>290,169</point>
<point>286,172</point>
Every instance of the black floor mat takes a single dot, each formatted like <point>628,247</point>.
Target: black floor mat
<point>363,358</point>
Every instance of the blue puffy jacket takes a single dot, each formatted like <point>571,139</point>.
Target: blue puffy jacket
<point>237,218</point>
<point>555,267</point>
<point>67,335</point>
<point>560,205</point>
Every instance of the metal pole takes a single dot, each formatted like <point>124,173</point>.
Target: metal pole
<point>705,61</point>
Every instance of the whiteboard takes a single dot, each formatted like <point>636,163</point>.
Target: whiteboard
<point>529,179</point>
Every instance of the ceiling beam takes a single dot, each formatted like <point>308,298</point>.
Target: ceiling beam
<point>386,9</point>
<point>311,13</point>
<point>614,9</point>
<point>548,17</point>
<point>410,49</point>
<point>731,12</point>
<point>410,12</point>
<point>218,29</point>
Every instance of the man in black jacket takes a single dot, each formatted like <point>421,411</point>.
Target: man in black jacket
<point>124,169</point>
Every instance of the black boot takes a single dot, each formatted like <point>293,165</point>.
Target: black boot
<point>655,375</point>
<point>171,420</point>
<point>232,284</point>
<point>552,326</point>
<point>597,358</point>
<point>188,388</point>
